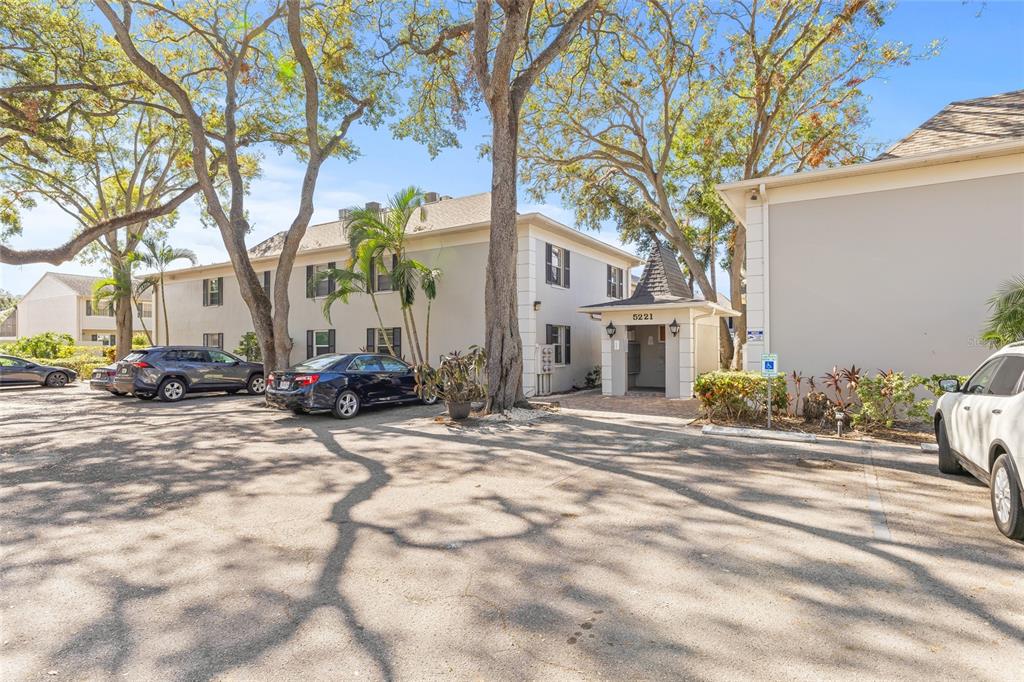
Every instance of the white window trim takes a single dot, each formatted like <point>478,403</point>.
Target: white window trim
<point>561,267</point>
<point>327,343</point>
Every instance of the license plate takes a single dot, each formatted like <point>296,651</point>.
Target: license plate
<point>123,370</point>
<point>284,385</point>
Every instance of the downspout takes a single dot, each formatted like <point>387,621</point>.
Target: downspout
<point>763,192</point>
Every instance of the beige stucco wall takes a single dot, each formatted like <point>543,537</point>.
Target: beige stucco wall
<point>587,285</point>
<point>894,278</point>
<point>49,307</point>
<point>457,318</point>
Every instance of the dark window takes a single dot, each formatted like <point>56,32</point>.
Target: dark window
<point>377,340</point>
<point>104,309</point>
<point>556,265</point>
<point>391,364</point>
<point>318,288</point>
<point>365,363</point>
<point>979,383</point>
<point>220,358</point>
<point>319,342</point>
<point>561,337</point>
<point>379,279</point>
<point>213,340</point>
<point>614,282</point>
<point>213,291</point>
<point>1008,376</point>
<point>187,355</point>
<point>266,281</point>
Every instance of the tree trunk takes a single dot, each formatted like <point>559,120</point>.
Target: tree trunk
<point>725,349</point>
<point>503,344</point>
<point>738,289</point>
<point>415,338</point>
<point>426,335</point>
<point>123,317</point>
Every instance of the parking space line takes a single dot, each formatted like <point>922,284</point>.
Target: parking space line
<point>879,525</point>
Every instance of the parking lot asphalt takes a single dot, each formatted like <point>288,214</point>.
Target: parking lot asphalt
<point>217,539</point>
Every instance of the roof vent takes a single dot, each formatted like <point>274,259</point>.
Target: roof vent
<point>373,206</point>
<point>344,213</point>
<point>430,197</point>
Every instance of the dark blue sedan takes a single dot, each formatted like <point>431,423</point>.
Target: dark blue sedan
<point>342,384</point>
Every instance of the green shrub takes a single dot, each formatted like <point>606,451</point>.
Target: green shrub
<point>593,378</point>
<point>83,364</point>
<point>739,395</point>
<point>932,383</point>
<point>249,347</point>
<point>46,345</point>
<point>886,398</point>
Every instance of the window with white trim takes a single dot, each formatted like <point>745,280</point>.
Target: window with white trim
<point>615,282</point>
<point>377,340</point>
<point>560,336</point>
<point>319,342</point>
<point>556,265</point>
<point>214,340</point>
<point>213,291</point>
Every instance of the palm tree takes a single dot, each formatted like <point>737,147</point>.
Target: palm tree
<point>428,281</point>
<point>375,234</point>
<point>348,281</point>
<point>1006,324</point>
<point>158,255</point>
<point>118,293</point>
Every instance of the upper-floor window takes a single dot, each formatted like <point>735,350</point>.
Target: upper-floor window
<point>318,287</point>
<point>145,309</point>
<point>266,281</point>
<point>213,291</point>
<point>556,265</point>
<point>615,282</point>
<point>104,309</point>
<point>380,278</point>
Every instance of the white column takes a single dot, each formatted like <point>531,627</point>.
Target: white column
<point>672,379</point>
<point>526,294</point>
<point>687,358</point>
<point>613,363</point>
<point>755,282</point>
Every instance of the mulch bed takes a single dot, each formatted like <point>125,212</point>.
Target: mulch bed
<point>913,433</point>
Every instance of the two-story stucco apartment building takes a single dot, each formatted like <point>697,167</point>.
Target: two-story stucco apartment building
<point>62,303</point>
<point>890,263</point>
<point>559,269</point>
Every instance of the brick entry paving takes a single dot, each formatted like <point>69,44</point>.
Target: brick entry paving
<point>639,403</point>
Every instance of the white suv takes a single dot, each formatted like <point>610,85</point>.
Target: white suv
<point>980,428</point>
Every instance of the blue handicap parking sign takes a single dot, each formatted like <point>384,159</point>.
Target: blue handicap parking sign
<point>769,364</point>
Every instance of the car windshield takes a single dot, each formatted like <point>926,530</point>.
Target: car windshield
<point>317,364</point>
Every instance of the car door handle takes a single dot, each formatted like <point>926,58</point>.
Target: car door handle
<point>967,407</point>
<point>997,411</point>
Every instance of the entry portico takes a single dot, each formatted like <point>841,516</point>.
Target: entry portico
<point>661,337</point>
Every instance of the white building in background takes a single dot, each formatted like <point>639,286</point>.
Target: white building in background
<point>889,264</point>
<point>558,270</point>
<point>62,303</point>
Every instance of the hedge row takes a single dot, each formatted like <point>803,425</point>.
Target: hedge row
<point>83,364</point>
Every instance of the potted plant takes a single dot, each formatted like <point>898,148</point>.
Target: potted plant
<point>456,381</point>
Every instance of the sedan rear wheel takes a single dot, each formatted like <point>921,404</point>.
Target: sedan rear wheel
<point>56,379</point>
<point>1007,509</point>
<point>257,385</point>
<point>145,396</point>
<point>347,405</point>
<point>172,390</point>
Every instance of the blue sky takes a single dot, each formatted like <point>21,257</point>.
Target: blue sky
<point>983,54</point>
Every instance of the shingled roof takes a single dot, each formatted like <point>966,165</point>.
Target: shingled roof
<point>662,282</point>
<point>446,212</point>
<point>969,122</point>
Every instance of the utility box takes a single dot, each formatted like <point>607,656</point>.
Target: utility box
<point>545,365</point>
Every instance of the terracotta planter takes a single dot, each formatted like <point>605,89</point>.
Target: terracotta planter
<point>458,410</point>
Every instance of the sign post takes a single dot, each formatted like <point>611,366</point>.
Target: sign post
<point>769,370</point>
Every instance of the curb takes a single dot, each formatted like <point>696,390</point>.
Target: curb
<point>712,430</point>
<point>929,447</point>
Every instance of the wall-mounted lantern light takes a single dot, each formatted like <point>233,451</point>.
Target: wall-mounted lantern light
<point>610,329</point>
<point>674,327</point>
<point>536,305</point>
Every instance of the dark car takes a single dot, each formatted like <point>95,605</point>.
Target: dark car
<point>169,372</point>
<point>20,371</point>
<point>342,384</point>
<point>103,380</point>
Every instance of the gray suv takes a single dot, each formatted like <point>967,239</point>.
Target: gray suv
<point>169,372</point>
